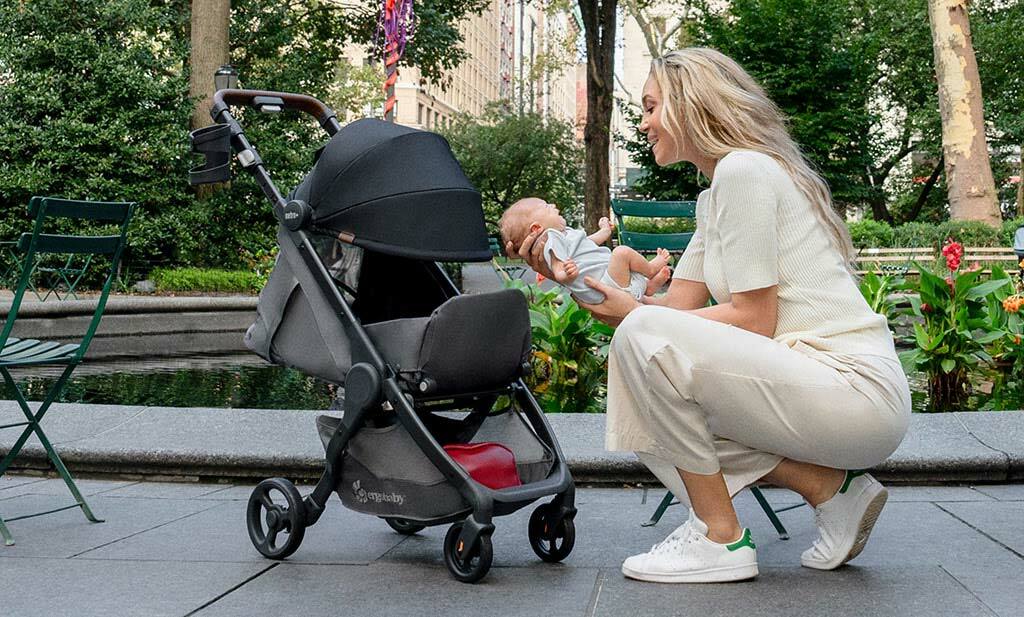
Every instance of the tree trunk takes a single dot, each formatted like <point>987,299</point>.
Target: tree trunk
<point>1020,184</point>
<point>599,30</point>
<point>211,21</point>
<point>972,191</point>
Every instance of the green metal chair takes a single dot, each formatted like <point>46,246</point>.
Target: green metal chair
<point>66,273</point>
<point>674,243</point>
<point>507,271</point>
<point>646,242</point>
<point>16,352</point>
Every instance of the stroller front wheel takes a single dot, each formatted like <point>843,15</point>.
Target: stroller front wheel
<point>551,539</point>
<point>477,562</point>
<point>276,529</point>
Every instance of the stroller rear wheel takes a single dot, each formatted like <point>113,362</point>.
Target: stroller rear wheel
<point>551,537</point>
<point>404,526</point>
<point>276,529</point>
<point>476,563</point>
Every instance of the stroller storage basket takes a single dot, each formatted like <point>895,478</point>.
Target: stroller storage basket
<point>385,474</point>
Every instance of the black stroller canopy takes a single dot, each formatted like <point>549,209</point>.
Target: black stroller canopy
<point>398,191</point>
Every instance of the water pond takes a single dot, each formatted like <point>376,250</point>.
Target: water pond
<point>246,382</point>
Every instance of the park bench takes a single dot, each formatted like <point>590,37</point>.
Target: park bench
<point>898,261</point>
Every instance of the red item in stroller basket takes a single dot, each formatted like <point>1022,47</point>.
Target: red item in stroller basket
<point>490,464</point>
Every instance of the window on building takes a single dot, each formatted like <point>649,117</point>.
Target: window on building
<point>419,114</point>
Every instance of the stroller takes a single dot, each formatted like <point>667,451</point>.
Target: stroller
<point>436,425</point>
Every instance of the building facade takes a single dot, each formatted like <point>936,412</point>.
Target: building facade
<point>508,39</point>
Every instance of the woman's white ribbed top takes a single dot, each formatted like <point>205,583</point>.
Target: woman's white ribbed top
<point>756,229</point>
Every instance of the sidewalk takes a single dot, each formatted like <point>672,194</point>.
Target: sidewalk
<point>252,444</point>
<point>182,549</point>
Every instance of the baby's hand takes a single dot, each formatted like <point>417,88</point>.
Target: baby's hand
<point>605,223</point>
<point>569,272</point>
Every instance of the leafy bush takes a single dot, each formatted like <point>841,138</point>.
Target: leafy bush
<point>916,234</point>
<point>509,156</point>
<point>955,329</point>
<point>877,291</point>
<point>570,353</point>
<point>968,233</point>
<point>198,279</point>
<point>870,233</point>
<point>657,225</point>
<point>1009,228</point>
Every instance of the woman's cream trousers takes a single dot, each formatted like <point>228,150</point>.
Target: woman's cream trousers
<point>703,396</point>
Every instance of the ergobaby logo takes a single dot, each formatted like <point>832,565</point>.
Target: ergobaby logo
<point>364,496</point>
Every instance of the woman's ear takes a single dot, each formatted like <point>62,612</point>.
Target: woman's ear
<point>535,227</point>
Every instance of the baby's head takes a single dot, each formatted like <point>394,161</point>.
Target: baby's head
<point>526,215</point>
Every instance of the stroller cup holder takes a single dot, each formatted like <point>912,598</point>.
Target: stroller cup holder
<point>214,143</point>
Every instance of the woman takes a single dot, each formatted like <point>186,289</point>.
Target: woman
<point>789,377</point>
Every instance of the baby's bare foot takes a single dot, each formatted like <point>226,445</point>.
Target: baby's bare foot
<point>659,261</point>
<point>656,282</point>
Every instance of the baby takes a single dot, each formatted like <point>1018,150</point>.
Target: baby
<point>572,254</point>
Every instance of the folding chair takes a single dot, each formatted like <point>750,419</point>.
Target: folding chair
<point>670,500</point>
<point>25,352</point>
<point>676,243</point>
<point>648,242</point>
<point>67,273</point>
<point>506,271</point>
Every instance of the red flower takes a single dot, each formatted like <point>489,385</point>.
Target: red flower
<point>926,308</point>
<point>953,251</point>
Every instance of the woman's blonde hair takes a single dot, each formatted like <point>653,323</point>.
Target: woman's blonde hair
<point>712,104</point>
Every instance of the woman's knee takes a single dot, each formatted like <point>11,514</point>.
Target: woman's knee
<point>640,322</point>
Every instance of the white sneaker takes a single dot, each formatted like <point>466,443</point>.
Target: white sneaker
<point>845,522</point>
<point>688,556</point>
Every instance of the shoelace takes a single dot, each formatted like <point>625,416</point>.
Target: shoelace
<point>684,533</point>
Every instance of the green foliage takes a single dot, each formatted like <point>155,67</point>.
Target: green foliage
<point>877,290</point>
<point>198,279</point>
<point>508,156</point>
<point>968,233</point>
<point>817,67</point>
<point>1004,316</point>
<point>570,353</point>
<point>954,333</point>
<point>870,233</point>
<point>96,106</point>
<point>1009,228</point>
<point>656,225</point>
<point>856,79</point>
<point>916,235</point>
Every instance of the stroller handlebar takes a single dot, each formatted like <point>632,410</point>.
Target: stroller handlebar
<point>222,99</point>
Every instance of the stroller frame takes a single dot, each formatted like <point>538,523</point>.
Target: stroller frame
<point>372,384</point>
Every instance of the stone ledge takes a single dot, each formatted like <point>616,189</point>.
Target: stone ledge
<point>241,444</point>
<point>129,305</point>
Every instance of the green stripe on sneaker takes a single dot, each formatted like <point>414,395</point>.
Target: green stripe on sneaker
<point>746,540</point>
<point>850,475</point>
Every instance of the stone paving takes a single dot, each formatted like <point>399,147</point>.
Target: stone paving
<point>177,549</point>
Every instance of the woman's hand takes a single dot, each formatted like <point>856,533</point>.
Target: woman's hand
<point>617,303</point>
<point>532,252</point>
